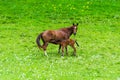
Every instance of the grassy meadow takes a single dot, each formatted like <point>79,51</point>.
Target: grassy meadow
<point>98,57</point>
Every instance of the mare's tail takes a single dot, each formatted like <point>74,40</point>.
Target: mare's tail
<point>38,40</point>
<point>77,43</point>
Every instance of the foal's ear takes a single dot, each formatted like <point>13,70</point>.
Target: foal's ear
<point>77,24</point>
<point>73,24</point>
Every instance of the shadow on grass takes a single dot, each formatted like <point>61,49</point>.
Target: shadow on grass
<point>53,54</point>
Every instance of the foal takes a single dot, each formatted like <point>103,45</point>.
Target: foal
<point>67,42</point>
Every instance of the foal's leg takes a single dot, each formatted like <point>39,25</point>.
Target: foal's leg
<point>62,50</point>
<point>59,48</point>
<point>66,50</point>
<point>74,49</point>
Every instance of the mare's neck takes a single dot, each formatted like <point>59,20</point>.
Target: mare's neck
<point>68,30</point>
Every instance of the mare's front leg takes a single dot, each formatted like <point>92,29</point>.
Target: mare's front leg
<point>59,48</point>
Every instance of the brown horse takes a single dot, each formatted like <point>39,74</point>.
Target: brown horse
<point>53,36</point>
<point>67,42</point>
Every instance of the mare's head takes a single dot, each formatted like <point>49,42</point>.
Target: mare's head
<point>74,27</point>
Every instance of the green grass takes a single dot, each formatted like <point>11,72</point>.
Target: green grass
<point>98,36</point>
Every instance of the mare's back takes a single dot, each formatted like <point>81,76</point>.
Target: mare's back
<point>55,34</point>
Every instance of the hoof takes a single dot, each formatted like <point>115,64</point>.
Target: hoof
<point>74,54</point>
<point>58,52</point>
<point>62,56</point>
<point>45,55</point>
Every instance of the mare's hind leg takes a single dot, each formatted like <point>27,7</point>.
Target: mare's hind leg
<point>59,48</point>
<point>44,48</point>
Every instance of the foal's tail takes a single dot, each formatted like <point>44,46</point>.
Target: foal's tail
<point>38,40</point>
<point>77,43</point>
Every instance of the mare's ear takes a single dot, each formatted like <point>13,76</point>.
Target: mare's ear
<point>73,24</point>
<point>77,24</point>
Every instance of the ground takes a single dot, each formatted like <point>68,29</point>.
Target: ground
<point>98,57</point>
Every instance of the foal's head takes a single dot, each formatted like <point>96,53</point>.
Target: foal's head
<point>74,27</point>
